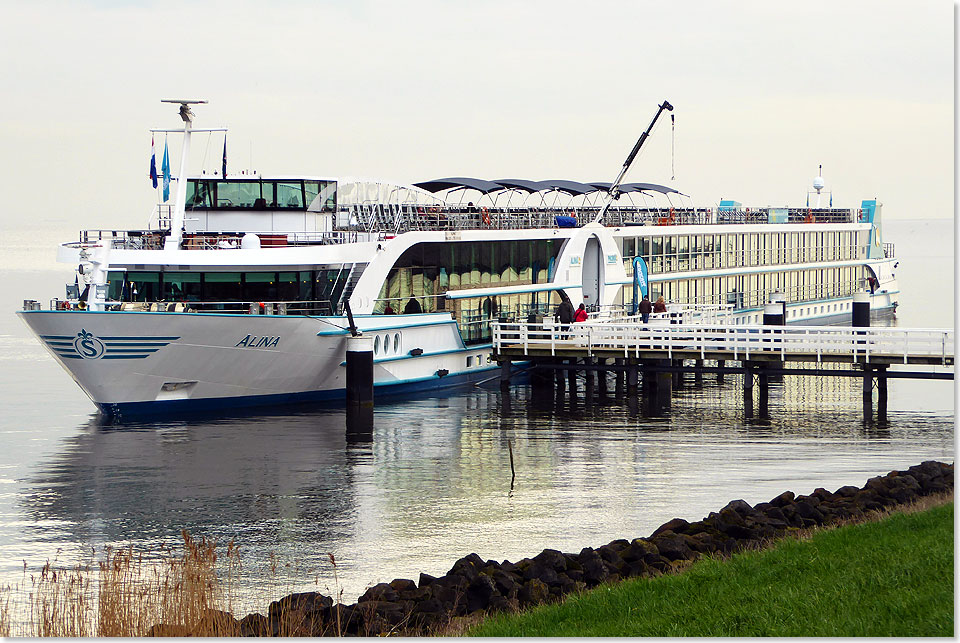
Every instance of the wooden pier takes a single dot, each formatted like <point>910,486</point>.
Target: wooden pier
<point>760,353</point>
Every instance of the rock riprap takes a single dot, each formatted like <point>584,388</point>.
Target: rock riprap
<point>475,585</point>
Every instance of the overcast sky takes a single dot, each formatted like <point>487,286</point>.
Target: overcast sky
<point>764,92</point>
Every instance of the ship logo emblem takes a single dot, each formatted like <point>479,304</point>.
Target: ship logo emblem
<point>88,346</point>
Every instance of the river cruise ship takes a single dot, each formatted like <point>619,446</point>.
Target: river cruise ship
<point>243,289</point>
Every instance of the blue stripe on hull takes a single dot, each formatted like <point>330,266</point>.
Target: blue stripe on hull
<point>203,405</point>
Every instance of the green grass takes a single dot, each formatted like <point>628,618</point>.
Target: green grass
<point>888,578</point>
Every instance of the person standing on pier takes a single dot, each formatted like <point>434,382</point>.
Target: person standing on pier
<point>645,309</point>
<point>580,315</point>
<point>660,306</point>
<point>564,313</point>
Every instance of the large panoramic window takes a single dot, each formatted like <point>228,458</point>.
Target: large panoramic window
<point>259,194</point>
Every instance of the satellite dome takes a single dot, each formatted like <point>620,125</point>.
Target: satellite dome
<point>818,183</point>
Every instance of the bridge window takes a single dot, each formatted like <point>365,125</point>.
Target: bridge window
<point>222,286</point>
<point>144,286</point>
<point>241,194</point>
<point>181,286</point>
<point>200,194</point>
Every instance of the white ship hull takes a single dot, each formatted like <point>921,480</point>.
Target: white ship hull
<point>134,363</point>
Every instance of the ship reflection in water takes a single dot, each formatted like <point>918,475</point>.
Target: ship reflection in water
<point>432,481</point>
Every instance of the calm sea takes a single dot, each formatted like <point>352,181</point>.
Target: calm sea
<point>434,484</point>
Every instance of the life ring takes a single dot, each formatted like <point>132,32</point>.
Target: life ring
<point>485,216</point>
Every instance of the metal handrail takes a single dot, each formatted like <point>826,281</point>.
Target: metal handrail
<point>859,343</point>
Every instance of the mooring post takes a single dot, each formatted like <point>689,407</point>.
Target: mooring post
<point>748,388</point>
<point>541,378</point>
<point>602,377</point>
<point>664,390</point>
<point>764,381</point>
<point>359,385</point>
<point>504,374</point>
<point>773,315</point>
<point>860,314</point>
<point>720,364</point>
<point>572,377</point>
<point>588,373</point>
<point>882,392</point>
<point>632,372</point>
<point>678,374</point>
<point>698,372</point>
<point>620,377</point>
<point>867,392</point>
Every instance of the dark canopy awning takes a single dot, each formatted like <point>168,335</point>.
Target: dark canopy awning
<point>437,185</point>
<point>650,187</point>
<point>574,188</point>
<point>635,187</point>
<point>570,187</point>
<point>523,184</point>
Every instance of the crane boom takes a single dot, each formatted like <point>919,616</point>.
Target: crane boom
<point>615,186</point>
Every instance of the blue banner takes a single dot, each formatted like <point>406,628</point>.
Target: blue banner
<point>165,168</point>
<point>640,285</point>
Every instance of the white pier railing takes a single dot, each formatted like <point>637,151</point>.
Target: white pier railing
<point>816,343</point>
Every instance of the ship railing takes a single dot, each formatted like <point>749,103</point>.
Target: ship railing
<point>816,343</point>
<point>126,239</point>
<point>793,215</point>
<point>397,219</point>
<point>154,239</point>
<point>318,307</point>
<point>889,251</point>
<point>686,313</point>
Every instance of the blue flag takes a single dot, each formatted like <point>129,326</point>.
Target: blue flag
<point>153,163</point>
<point>808,199</point>
<point>166,172</point>
<point>224,156</point>
<point>831,199</point>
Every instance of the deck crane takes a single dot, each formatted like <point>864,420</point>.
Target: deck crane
<point>614,191</point>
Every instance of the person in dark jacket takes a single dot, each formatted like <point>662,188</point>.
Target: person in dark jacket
<point>645,309</point>
<point>660,306</point>
<point>580,315</point>
<point>564,313</point>
<point>413,307</point>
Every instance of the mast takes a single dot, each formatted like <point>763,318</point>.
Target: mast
<point>615,186</point>
<point>179,208</point>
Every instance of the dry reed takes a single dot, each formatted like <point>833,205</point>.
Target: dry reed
<point>126,593</point>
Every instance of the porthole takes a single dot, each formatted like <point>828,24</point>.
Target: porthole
<point>396,343</point>
<point>386,344</point>
<point>469,361</point>
<point>376,345</point>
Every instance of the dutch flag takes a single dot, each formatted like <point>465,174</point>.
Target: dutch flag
<point>153,163</point>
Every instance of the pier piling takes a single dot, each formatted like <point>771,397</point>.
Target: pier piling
<point>359,385</point>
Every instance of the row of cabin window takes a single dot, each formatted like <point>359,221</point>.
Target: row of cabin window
<point>307,285</point>
<point>260,195</point>
<point>754,290</point>
<point>671,253</point>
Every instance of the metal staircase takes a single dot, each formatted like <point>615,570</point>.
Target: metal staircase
<point>356,270</point>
